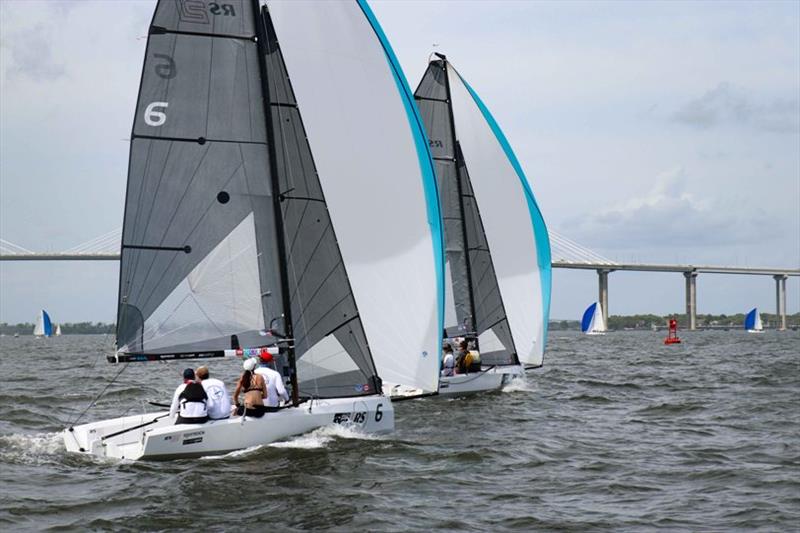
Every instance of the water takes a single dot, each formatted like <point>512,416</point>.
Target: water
<point>615,432</point>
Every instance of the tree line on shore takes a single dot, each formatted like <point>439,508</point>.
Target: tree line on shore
<point>67,328</point>
<point>618,322</point>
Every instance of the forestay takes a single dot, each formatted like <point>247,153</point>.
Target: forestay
<point>375,173</point>
<point>514,228</point>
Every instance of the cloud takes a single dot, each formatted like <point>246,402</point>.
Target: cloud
<point>670,215</point>
<point>726,104</point>
<point>31,56</point>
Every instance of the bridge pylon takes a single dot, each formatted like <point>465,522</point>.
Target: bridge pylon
<point>691,298</point>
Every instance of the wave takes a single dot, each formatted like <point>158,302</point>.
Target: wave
<point>32,449</point>
<point>322,437</point>
<point>520,384</point>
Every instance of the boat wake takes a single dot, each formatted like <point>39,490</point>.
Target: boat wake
<point>322,437</point>
<point>234,454</point>
<point>31,448</point>
<point>520,384</point>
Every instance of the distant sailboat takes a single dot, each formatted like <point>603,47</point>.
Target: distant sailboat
<point>497,250</point>
<point>44,327</point>
<point>58,330</point>
<point>752,322</point>
<point>592,322</point>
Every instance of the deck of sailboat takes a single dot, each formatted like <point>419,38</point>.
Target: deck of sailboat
<point>155,436</point>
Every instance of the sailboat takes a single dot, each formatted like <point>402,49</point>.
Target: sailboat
<point>592,322</point>
<point>58,330</point>
<point>43,327</point>
<point>752,321</point>
<point>274,150</point>
<point>497,250</point>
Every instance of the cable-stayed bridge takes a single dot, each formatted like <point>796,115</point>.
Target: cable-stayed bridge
<point>565,253</point>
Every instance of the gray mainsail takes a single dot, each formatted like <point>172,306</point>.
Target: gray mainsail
<point>226,229</point>
<point>198,131</point>
<point>476,295</point>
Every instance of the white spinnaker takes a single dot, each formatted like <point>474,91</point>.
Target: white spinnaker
<point>506,220</point>
<point>38,329</point>
<point>598,324</point>
<point>450,315</point>
<point>221,296</point>
<point>365,154</point>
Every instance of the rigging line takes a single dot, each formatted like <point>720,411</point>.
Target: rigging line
<point>92,403</point>
<point>291,182</point>
<point>274,64</point>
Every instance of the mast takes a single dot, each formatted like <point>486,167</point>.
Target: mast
<point>456,151</point>
<point>261,36</point>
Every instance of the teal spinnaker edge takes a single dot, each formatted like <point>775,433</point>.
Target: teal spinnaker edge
<point>539,228</point>
<point>425,163</point>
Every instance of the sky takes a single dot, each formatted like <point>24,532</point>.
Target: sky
<point>649,131</point>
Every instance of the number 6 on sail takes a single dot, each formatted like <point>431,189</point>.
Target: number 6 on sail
<point>153,117</point>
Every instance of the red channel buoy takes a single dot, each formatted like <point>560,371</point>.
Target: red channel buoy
<point>672,336</point>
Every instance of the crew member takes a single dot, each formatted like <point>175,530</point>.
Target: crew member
<point>193,402</point>
<point>461,357</point>
<point>254,388</point>
<point>188,377</point>
<point>472,361</point>
<point>219,403</point>
<point>276,391</point>
<point>448,361</point>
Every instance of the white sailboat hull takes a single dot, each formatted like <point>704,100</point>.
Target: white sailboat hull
<point>162,439</point>
<point>493,378</point>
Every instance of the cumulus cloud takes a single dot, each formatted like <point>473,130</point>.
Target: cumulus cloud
<point>728,104</point>
<point>670,215</point>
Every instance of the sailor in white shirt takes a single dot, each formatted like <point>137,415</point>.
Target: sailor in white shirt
<point>188,377</point>
<point>219,402</point>
<point>448,362</point>
<point>275,388</point>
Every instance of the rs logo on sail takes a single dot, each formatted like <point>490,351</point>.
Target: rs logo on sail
<point>196,11</point>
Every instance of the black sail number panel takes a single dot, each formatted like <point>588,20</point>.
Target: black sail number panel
<point>200,88</point>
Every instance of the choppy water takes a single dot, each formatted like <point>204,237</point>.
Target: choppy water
<point>614,433</point>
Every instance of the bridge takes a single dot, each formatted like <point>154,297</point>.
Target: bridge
<point>565,254</point>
